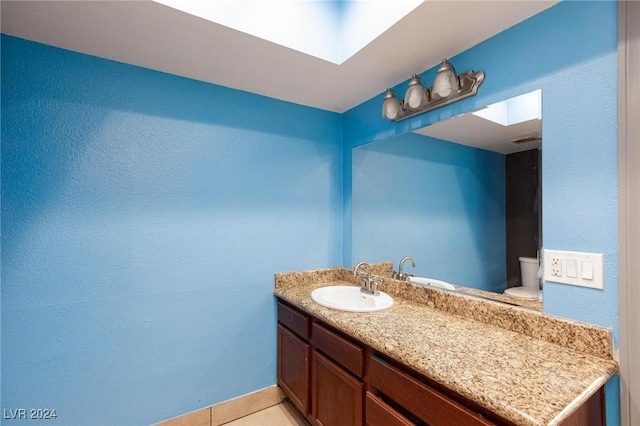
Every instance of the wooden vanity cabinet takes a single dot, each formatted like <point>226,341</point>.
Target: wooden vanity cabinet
<point>379,413</point>
<point>336,387</point>
<point>320,370</point>
<point>415,398</point>
<point>294,356</point>
<point>336,381</point>
<point>397,396</point>
<point>337,396</point>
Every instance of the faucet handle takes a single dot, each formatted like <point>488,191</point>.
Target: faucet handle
<point>375,282</point>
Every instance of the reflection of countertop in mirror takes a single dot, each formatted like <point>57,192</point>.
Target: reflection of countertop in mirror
<point>527,367</point>
<point>385,270</point>
<point>524,303</point>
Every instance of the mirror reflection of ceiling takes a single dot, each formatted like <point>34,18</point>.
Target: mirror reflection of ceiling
<point>506,127</point>
<point>381,52</point>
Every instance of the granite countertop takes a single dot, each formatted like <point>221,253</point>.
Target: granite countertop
<point>527,380</point>
<point>385,270</point>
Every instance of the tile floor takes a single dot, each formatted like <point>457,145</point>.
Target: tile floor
<point>279,415</point>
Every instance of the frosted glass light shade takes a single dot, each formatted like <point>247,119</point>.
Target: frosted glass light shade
<point>446,82</point>
<point>416,95</point>
<point>448,87</point>
<point>390,107</point>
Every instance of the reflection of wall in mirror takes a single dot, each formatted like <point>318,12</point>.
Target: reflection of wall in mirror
<point>442,203</point>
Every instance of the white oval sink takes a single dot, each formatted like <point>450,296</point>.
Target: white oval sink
<point>349,298</point>
<point>432,283</point>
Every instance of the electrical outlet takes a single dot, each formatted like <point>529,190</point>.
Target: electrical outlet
<point>556,267</point>
<point>575,268</point>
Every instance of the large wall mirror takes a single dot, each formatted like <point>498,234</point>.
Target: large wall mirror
<point>461,196</point>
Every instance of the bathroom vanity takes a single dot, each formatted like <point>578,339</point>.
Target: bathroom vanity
<point>322,371</point>
<point>417,363</point>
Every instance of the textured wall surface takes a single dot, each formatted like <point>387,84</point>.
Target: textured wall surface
<point>439,202</point>
<point>144,216</point>
<point>568,51</point>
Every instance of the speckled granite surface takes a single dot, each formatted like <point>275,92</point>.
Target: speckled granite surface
<point>525,366</point>
<point>385,270</point>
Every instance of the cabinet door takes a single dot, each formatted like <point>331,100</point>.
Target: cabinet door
<point>337,396</point>
<point>591,413</point>
<point>293,368</point>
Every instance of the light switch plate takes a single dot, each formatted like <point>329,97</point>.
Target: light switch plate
<point>583,262</point>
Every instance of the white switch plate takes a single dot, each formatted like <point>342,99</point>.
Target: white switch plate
<point>553,257</point>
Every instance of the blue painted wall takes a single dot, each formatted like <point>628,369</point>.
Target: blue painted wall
<point>568,51</point>
<point>144,216</point>
<point>440,202</point>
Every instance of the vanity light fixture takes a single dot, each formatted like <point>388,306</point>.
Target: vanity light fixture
<point>447,87</point>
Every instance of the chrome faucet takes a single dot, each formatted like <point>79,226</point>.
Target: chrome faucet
<point>368,284</point>
<point>402,275</point>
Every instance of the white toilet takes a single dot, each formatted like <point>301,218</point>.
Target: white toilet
<point>530,288</point>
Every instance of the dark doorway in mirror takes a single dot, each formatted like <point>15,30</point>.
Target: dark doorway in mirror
<point>523,210</point>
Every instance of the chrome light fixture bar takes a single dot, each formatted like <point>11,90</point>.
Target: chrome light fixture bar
<point>447,87</point>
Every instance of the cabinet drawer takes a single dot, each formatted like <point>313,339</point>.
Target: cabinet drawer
<point>294,320</point>
<point>425,403</point>
<point>341,350</point>
<point>378,413</point>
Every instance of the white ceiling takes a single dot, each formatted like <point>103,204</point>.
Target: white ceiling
<point>158,37</point>
<point>505,135</point>
<point>474,131</point>
<point>345,26</point>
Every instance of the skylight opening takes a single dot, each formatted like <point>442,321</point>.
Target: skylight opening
<point>330,30</point>
<point>513,111</point>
